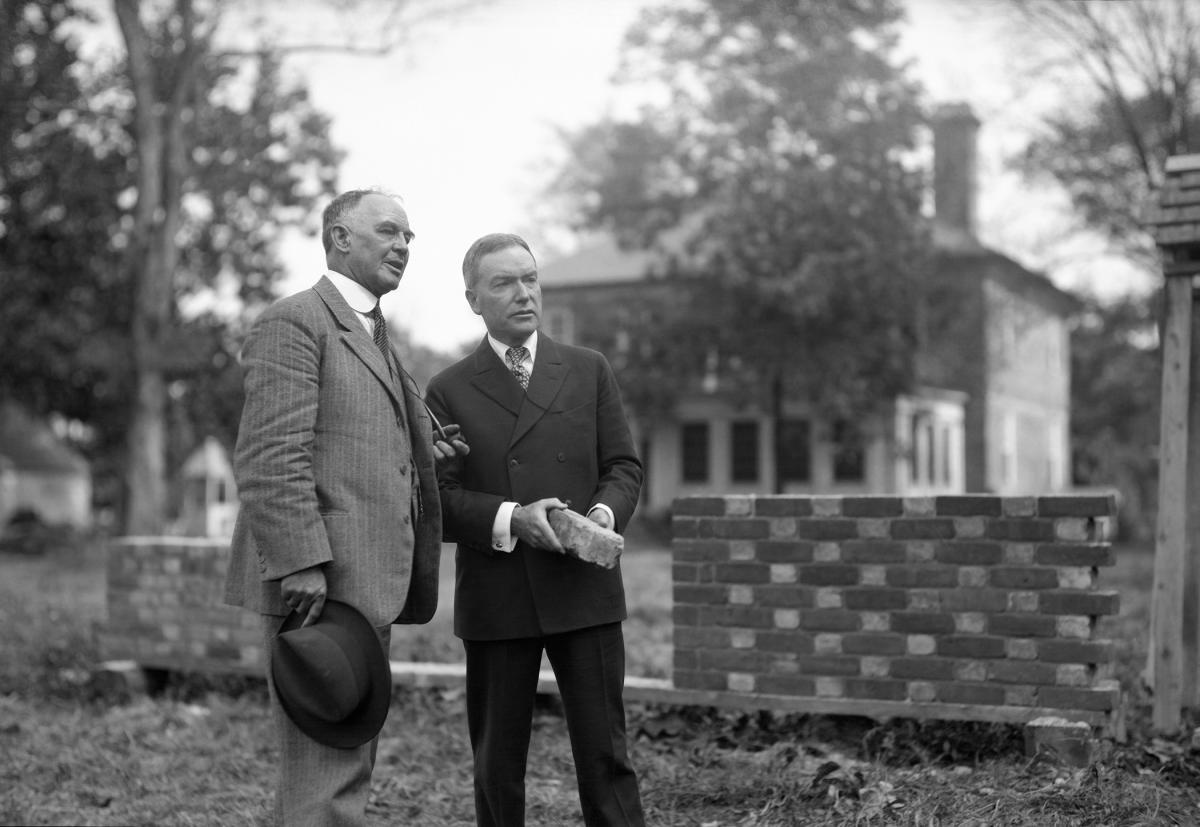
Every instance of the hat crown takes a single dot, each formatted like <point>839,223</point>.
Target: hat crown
<point>332,670</point>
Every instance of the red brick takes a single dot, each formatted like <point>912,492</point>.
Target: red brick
<point>687,550</point>
<point>783,506</point>
<point>922,669</point>
<point>974,600</point>
<point>922,576</point>
<point>969,553</point>
<point>700,638</point>
<point>973,647</point>
<point>1022,671</point>
<point>710,681</point>
<point>1077,506</point>
<point>875,689</point>
<point>828,665</point>
<point>970,693</point>
<point>750,617</point>
<point>829,620</point>
<point>734,529</point>
<point>873,551</point>
<point>691,573</point>
<point>1019,529</point>
<point>867,643</point>
<point>1076,651</point>
<point>684,527</point>
<point>1092,555</point>
<point>1022,625</point>
<point>1079,603</point>
<point>698,506</point>
<point>827,574</point>
<point>790,641</point>
<point>688,659</point>
<point>918,623</point>
<point>922,528</point>
<point>685,615</point>
<point>784,596</point>
<point>784,551</point>
<point>874,599</point>
<point>959,506</point>
<point>826,529</point>
<point>732,660</point>
<point>1056,697</point>
<point>751,573</point>
<point>1022,577</point>
<point>872,506</point>
<point>703,593</point>
<point>785,685</point>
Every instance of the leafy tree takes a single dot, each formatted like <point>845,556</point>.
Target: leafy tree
<point>1133,69</point>
<point>1115,390</point>
<point>771,174</point>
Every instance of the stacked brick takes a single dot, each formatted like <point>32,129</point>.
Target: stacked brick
<point>165,609</point>
<point>970,607</point>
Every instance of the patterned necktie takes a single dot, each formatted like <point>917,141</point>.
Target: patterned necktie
<point>515,356</point>
<point>381,336</point>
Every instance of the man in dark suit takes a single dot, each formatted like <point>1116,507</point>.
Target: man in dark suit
<point>335,472</point>
<point>547,430</point>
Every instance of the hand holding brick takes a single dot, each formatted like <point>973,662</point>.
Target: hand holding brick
<point>585,540</point>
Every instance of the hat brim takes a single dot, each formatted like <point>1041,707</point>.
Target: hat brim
<point>365,722</point>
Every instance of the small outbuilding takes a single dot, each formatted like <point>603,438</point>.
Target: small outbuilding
<point>40,473</point>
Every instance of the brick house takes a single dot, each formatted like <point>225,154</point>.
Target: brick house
<point>990,412</point>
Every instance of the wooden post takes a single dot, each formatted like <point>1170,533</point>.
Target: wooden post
<point>1174,633</point>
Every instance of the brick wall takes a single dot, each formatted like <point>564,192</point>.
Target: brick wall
<point>967,607</point>
<point>165,609</point>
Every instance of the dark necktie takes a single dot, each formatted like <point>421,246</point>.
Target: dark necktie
<point>515,356</point>
<point>381,336</point>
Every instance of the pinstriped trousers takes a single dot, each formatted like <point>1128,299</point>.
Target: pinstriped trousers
<point>318,786</point>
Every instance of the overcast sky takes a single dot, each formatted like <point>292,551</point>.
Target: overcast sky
<point>462,123</point>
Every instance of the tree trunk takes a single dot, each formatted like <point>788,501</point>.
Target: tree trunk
<point>158,132</point>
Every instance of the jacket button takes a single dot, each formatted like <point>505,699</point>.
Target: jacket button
<point>562,457</point>
<point>403,470</point>
<point>512,463</point>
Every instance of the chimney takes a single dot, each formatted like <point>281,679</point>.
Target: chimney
<point>955,131</point>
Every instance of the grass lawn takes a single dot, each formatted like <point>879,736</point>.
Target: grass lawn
<point>75,749</point>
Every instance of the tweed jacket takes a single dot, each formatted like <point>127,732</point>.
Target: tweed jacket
<point>566,437</point>
<point>324,466</point>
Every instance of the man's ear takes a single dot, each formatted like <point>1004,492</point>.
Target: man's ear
<point>472,300</point>
<point>341,237</point>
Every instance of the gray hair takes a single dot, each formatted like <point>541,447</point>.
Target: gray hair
<point>488,244</point>
<point>341,205</point>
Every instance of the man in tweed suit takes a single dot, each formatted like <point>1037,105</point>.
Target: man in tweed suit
<point>547,429</point>
<point>335,472</point>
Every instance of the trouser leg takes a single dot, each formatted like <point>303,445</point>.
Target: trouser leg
<point>501,685</point>
<point>589,666</point>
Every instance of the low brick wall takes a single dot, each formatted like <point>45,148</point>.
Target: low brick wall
<point>165,609</point>
<point>958,607</point>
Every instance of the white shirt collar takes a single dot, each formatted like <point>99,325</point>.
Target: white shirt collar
<point>502,348</point>
<point>357,296</point>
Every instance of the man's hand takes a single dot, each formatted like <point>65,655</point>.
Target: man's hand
<point>304,592</point>
<point>529,524</point>
<point>449,445</point>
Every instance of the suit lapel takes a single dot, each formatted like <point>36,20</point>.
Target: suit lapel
<point>544,384</point>
<point>355,336</point>
<point>493,380</point>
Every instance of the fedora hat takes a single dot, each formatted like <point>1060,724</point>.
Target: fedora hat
<point>332,678</point>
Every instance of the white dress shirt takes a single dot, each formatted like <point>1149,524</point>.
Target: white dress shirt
<point>361,300</point>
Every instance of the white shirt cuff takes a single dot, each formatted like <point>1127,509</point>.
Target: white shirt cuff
<point>612,518</point>
<point>502,536</point>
